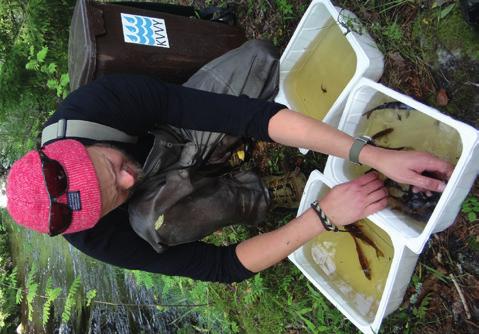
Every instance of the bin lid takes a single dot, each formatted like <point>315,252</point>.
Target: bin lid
<point>86,24</point>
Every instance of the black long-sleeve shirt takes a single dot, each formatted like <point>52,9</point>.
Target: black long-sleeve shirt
<point>136,104</point>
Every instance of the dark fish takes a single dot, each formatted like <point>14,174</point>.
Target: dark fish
<point>400,148</point>
<point>382,133</point>
<point>417,205</point>
<point>388,105</point>
<point>357,232</point>
<point>363,261</point>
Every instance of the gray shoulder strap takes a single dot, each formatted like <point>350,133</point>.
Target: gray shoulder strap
<point>84,129</point>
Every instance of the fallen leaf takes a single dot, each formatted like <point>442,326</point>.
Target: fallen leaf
<point>441,98</point>
<point>241,155</point>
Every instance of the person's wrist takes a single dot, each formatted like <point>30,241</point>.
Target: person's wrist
<point>369,155</point>
<point>323,217</point>
<point>316,227</point>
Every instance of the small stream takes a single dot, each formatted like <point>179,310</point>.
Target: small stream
<point>56,258</point>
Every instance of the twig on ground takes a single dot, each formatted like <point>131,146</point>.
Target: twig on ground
<point>463,300</point>
<point>471,83</point>
<point>472,323</point>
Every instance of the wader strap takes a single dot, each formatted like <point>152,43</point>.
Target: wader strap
<point>84,129</point>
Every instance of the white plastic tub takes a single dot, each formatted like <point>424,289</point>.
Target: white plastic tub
<point>349,100</point>
<point>368,94</point>
<point>361,53</point>
<point>400,271</point>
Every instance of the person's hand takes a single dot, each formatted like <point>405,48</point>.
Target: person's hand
<point>410,167</point>
<point>348,202</point>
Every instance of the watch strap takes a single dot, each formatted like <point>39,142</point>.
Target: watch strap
<point>358,144</point>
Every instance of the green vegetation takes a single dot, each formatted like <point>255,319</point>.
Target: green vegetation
<point>471,208</point>
<point>33,66</point>
<point>8,277</point>
<point>277,300</point>
<point>33,63</point>
<point>33,44</point>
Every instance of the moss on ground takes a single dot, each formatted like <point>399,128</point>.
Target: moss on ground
<point>451,33</point>
<point>450,47</point>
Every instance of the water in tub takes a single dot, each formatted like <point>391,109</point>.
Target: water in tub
<point>356,269</point>
<point>322,72</point>
<point>398,126</point>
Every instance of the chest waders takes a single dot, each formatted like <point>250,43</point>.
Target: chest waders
<point>175,203</point>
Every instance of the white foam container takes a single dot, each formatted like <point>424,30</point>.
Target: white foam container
<point>458,186</point>
<point>370,61</point>
<point>407,239</point>
<point>400,272</point>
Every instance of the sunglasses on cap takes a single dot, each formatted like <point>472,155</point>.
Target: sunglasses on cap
<point>56,182</point>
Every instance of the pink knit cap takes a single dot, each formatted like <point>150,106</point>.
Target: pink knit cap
<point>27,196</point>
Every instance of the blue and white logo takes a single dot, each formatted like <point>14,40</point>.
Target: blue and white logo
<point>144,30</point>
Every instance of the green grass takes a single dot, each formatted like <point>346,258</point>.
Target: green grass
<point>275,301</point>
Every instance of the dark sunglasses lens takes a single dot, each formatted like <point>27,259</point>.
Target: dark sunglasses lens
<point>60,218</point>
<point>55,177</point>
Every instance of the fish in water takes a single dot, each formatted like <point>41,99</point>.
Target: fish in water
<point>416,204</point>
<point>358,233</point>
<point>363,261</point>
<point>383,133</point>
<point>396,105</point>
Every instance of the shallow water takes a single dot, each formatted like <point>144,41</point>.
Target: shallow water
<point>409,130</point>
<point>56,258</point>
<point>323,71</point>
<point>334,256</point>
<point>414,130</point>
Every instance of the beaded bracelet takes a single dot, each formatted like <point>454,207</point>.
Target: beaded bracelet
<point>323,218</point>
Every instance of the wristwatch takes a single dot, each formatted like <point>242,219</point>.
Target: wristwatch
<point>358,144</point>
<point>323,218</point>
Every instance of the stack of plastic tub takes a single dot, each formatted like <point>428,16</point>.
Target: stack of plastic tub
<point>461,140</point>
<point>403,235</point>
<point>406,235</point>
<point>326,56</point>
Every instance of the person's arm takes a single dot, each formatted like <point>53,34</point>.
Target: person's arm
<point>294,129</point>
<point>137,103</point>
<point>113,241</point>
<point>344,204</point>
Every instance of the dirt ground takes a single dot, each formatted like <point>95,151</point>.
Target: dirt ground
<point>431,54</point>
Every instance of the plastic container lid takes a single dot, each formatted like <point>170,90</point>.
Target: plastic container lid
<point>86,24</point>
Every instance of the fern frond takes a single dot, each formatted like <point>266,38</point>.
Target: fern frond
<point>50,294</point>
<point>90,295</point>
<point>70,301</point>
<point>31,294</point>
<point>32,274</point>
<point>143,278</point>
<point>12,278</point>
<point>32,288</point>
<point>19,296</point>
<point>48,286</point>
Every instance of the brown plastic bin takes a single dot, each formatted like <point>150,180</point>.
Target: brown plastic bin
<point>103,42</point>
